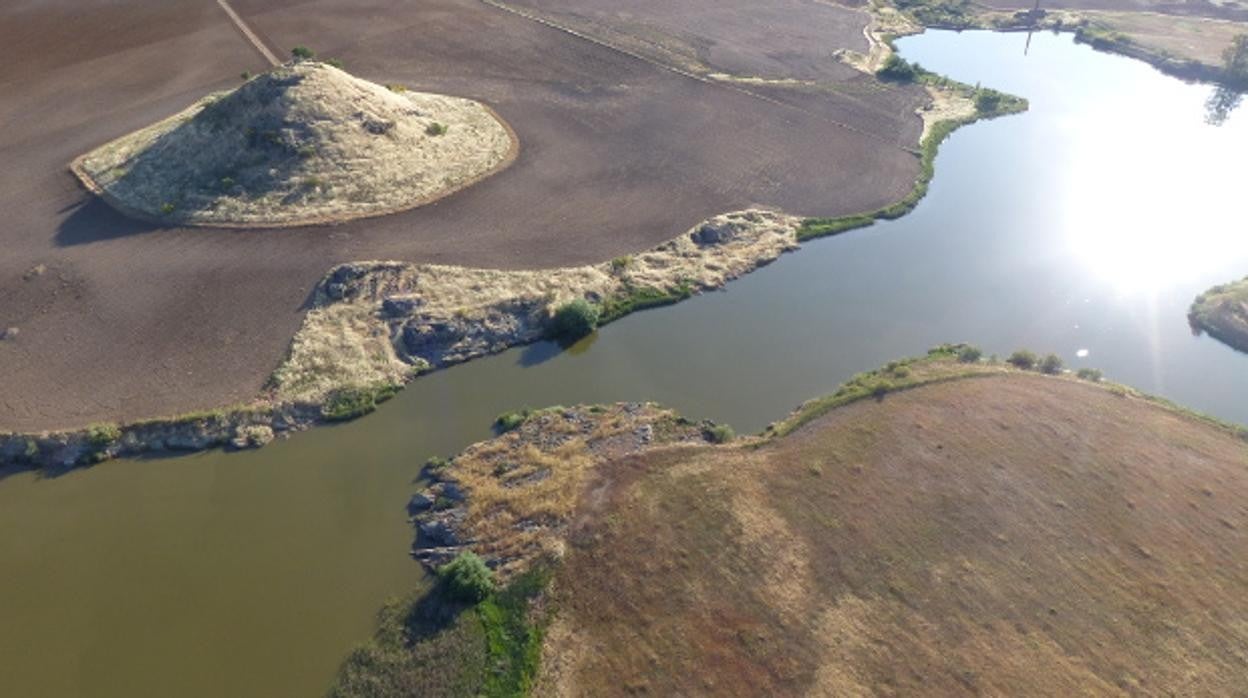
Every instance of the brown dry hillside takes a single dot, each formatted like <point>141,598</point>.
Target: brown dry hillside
<point>1011,534</point>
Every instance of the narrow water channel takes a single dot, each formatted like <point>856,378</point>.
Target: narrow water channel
<point>1083,227</point>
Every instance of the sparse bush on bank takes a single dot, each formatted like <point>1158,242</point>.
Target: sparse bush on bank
<point>436,129</point>
<point>467,578</point>
<point>720,434</point>
<point>1023,359</point>
<point>969,354</point>
<point>574,320</point>
<point>349,403</point>
<point>302,53</point>
<point>988,101</point>
<point>1089,374</point>
<point>898,69</point>
<point>508,421</point>
<point>1051,364</point>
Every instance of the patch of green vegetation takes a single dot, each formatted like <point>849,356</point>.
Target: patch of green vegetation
<point>349,403</point>
<point>1089,374</point>
<point>821,227</point>
<point>167,208</point>
<point>436,129</point>
<point>508,421</point>
<point>245,75</point>
<point>574,320</point>
<point>1101,37</point>
<point>619,264</point>
<point>513,636</point>
<point>434,645</point>
<point>1051,364</point>
<point>720,433</point>
<point>969,354</point>
<point>898,69</point>
<point>639,299</point>
<point>948,14</point>
<point>302,53</point>
<point>1023,359</point>
<point>988,101</point>
<point>394,87</point>
<point>437,464</point>
<point>102,436</point>
<point>467,578</point>
<point>334,62</point>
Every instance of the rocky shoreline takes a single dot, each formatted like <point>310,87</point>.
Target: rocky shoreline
<point>510,499</point>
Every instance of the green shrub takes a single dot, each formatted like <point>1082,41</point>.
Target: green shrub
<point>245,75</point>
<point>334,62</point>
<point>987,101</point>
<point>1023,359</point>
<point>349,403</point>
<point>508,421</point>
<point>619,264</point>
<point>302,53</point>
<point>1089,374</point>
<point>1051,364</point>
<point>897,69</point>
<point>436,129</point>
<point>574,320</point>
<point>437,464</point>
<point>720,433</point>
<point>969,354</point>
<point>167,208</point>
<point>101,436</point>
<point>467,578</point>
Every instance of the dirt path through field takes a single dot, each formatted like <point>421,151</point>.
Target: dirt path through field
<point>248,33</point>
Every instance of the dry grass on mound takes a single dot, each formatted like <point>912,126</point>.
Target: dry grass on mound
<point>1008,535</point>
<point>303,143</point>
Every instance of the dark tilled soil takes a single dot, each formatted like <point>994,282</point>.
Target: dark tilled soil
<point>617,154</point>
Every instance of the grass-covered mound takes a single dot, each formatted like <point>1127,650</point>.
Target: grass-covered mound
<point>942,526</point>
<point>1222,311</point>
<point>303,143</point>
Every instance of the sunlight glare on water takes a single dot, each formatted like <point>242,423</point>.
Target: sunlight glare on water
<point>1141,210</point>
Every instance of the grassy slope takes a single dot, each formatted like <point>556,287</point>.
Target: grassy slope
<point>1010,534</point>
<point>1222,311</point>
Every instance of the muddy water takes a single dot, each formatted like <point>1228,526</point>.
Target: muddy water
<point>1084,226</point>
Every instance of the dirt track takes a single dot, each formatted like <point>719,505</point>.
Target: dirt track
<point>617,154</point>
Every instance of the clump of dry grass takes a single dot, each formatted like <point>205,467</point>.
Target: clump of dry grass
<point>522,488</point>
<point>303,143</point>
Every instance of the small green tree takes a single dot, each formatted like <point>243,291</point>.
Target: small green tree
<point>987,101</point>
<point>897,69</point>
<point>1023,359</point>
<point>969,354</point>
<point>574,320</point>
<point>302,53</point>
<point>1051,364</point>
<point>467,578</point>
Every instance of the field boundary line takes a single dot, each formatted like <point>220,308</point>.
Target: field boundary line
<point>248,34</point>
